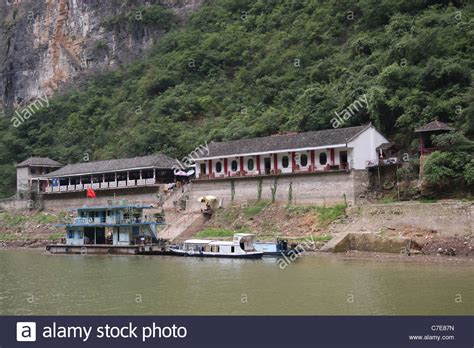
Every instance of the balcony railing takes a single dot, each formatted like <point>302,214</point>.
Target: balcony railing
<point>285,171</point>
<point>101,185</point>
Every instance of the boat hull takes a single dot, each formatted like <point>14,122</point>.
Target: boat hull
<point>257,255</point>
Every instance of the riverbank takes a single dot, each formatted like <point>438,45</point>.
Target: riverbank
<point>30,229</point>
<point>442,229</point>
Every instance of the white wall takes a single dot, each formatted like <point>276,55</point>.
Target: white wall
<point>364,147</point>
<point>22,176</point>
<point>75,240</point>
<point>359,151</point>
<point>124,236</point>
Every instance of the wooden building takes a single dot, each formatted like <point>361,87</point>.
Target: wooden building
<point>107,175</point>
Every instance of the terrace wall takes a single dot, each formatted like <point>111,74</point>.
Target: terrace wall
<point>65,200</point>
<point>306,188</point>
<point>311,188</point>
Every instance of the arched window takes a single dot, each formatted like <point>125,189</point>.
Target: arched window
<point>285,162</point>
<point>323,158</point>
<point>250,164</point>
<point>304,160</point>
<point>233,166</point>
<point>218,167</point>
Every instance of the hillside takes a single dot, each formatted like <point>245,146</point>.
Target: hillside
<point>242,68</point>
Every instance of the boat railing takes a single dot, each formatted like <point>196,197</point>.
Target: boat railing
<point>135,221</point>
<point>80,220</point>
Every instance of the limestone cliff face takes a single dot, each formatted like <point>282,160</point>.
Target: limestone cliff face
<point>47,43</point>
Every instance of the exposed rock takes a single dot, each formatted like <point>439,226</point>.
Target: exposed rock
<point>45,44</point>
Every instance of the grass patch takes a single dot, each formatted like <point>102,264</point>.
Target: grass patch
<point>328,214</point>
<point>55,236</point>
<point>218,233</point>
<point>43,218</point>
<point>228,215</point>
<point>427,200</point>
<point>12,220</point>
<point>387,200</point>
<point>299,209</point>
<point>13,237</point>
<point>323,238</point>
<point>255,208</point>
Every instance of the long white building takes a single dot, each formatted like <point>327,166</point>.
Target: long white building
<point>319,151</point>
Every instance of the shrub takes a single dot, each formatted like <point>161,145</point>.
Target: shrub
<point>446,169</point>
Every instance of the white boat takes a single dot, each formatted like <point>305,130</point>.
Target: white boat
<point>241,247</point>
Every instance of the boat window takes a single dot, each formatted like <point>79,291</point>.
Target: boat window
<point>285,161</point>
<point>80,235</point>
<point>233,166</point>
<point>70,233</point>
<point>250,164</point>
<point>304,160</point>
<point>323,158</point>
<point>218,167</point>
<point>232,249</point>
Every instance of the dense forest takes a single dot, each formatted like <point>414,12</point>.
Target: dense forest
<point>244,68</point>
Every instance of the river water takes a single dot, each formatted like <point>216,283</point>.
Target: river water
<point>35,283</point>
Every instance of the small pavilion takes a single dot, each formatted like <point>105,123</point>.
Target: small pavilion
<point>425,132</point>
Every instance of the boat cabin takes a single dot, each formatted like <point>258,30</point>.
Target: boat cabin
<point>123,224</point>
<point>242,242</point>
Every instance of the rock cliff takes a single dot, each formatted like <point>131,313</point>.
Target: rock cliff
<point>46,44</point>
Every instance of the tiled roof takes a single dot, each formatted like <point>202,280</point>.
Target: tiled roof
<point>151,161</point>
<point>386,146</point>
<point>39,161</point>
<point>434,126</point>
<point>283,142</point>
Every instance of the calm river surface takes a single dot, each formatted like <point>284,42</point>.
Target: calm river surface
<point>35,283</point>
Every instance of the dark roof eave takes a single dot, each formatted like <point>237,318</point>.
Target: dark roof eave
<point>291,142</point>
<point>53,175</point>
<point>39,165</point>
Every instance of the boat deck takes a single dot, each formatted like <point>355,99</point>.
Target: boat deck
<point>150,249</point>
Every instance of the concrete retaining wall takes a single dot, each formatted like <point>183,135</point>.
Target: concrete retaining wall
<point>371,242</point>
<point>314,188</point>
<point>305,188</point>
<point>447,218</point>
<point>143,195</point>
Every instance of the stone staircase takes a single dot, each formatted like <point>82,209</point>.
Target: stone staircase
<point>181,225</point>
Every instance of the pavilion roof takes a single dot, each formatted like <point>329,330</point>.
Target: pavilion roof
<point>434,126</point>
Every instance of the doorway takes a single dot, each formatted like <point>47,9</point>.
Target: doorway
<point>343,159</point>
<point>268,165</point>
<point>203,168</point>
<point>94,235</point>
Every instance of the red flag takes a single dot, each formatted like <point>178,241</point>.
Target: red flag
<point>90,193</point>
